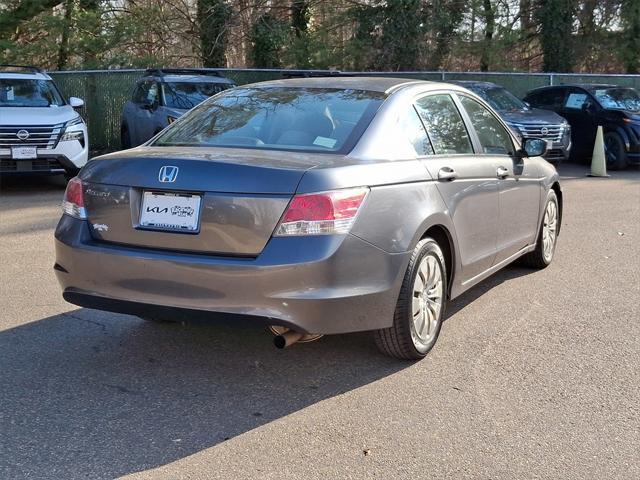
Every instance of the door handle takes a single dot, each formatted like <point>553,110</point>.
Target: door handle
<point>502,172</point>
<point>447,173</point>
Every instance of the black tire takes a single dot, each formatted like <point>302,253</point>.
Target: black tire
<point>537,259</point>
<point>615,151</point>
<point>125,138</point>
<point>397,341</point>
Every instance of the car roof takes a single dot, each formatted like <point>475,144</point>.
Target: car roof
<point>474,83</point>
<point>373,84</point>
<point>190,78</point>
<point>585,86</point>
<point>24,75</point>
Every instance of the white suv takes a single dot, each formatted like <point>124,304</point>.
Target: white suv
<point>40,132</point>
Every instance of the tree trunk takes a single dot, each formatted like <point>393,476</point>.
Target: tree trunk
<point>630,53</point>
<point>556,23</point>
<point>213,16</point>
<point>63,48</point>
<point>487,50</point>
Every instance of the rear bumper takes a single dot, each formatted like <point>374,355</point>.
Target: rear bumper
<point>323,284</point>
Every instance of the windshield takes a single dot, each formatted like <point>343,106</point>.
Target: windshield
<point>501,99</point>
<point>186,95</point>
<point>618,98</point>
<point>325,120</point>
<point>29,93</point>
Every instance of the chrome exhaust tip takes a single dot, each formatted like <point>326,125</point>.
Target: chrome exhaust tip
<point>287,339</point>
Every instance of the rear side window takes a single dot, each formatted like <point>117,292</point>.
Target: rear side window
<point>444,125</point>
<point>553,98</point>
<point>412,127</point>
<point>576,100</point>
<point>493,136</point>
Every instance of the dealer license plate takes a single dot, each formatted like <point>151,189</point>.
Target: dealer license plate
<point>170,211</point>
<point>24,153</point>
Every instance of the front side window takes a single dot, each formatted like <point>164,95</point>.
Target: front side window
<point>444,125</point>
<point>140,93</point>
<point>493,136</point>
<point>186,95</point>
<point>29,93</point>
<point>307,119</point>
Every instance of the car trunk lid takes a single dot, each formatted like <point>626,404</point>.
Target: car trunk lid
<point>233,199</point>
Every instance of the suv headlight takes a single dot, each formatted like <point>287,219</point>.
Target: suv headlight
<point>74,121</point>
<point>78,135</point>
<point>73,135</point>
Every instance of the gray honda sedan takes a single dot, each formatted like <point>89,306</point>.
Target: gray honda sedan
<point>313,206</point>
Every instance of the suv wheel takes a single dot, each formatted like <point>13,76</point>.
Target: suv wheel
<point>615,152</point>
<point>421,305</point>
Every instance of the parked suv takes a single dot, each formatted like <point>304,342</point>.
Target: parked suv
<point>524,120</point>
<point>163,95</point>
<point>586,106</point>
<point>40,131</point>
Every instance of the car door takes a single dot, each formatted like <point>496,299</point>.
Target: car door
<point>519,188</point>
<point>467,182</point>
<point>145,100</point>
<point>579,109</point>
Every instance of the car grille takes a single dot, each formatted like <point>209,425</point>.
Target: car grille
<point>547,132</point>
<point>36,165</point>
<point>554,155</point>
<point>42,136</point>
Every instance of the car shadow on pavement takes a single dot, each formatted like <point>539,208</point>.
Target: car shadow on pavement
<point>508,273</point>
<point>89,394</point>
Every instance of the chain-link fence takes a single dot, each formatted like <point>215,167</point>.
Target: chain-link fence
<point>106,91</point>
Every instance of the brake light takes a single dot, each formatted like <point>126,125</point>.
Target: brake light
<point>323,213</point>
<point>73,203</point>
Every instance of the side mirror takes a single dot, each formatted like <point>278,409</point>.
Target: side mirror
<point>533,147</point>
<point>588,107</point>
<point>76,102</point>
<point>149,104</point>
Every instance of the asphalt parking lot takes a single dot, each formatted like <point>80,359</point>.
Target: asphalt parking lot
<point>536,373</point>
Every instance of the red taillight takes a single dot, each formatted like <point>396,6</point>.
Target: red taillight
<point>73,203</point>
<point>322,213</point>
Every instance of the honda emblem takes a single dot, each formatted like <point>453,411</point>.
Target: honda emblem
<point>168,174</point>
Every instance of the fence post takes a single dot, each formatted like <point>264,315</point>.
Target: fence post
<point>551,82</point>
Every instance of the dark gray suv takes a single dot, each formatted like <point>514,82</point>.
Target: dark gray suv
<point>163,95</point>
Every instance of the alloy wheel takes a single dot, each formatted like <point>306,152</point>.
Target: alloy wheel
<point>427,301</point>
<point>549,230</point>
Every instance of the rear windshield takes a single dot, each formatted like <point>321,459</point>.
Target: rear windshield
<point>315,120</point>
<point>618,98</point>
<point>186,95</point>
<point>501,99</point>
<point>29,93</point>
